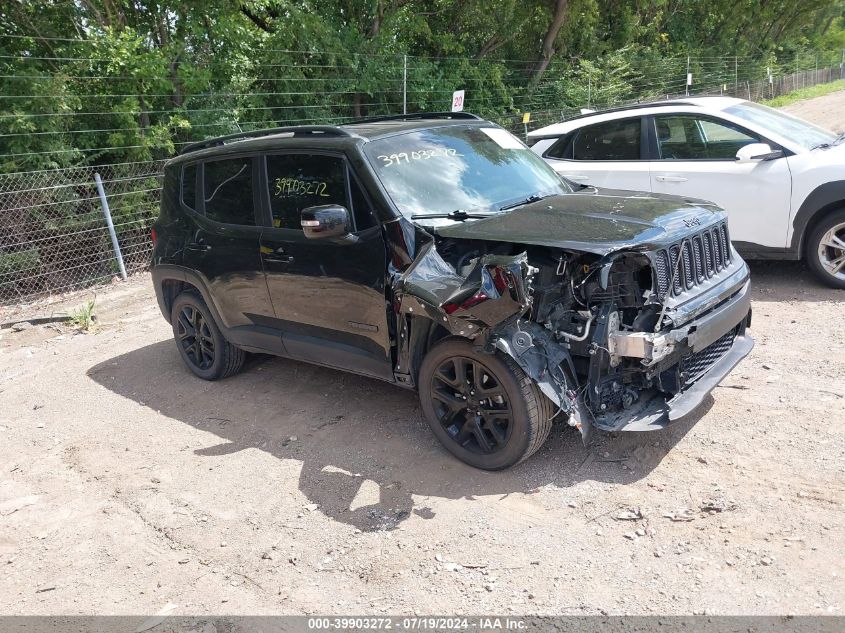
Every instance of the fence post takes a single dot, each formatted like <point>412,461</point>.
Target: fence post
<point>110,224</point>
<point>736,76</point>
<point>405,84</point>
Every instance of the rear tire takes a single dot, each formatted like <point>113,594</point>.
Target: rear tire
<point>826,250</point>
<point>200,342</point>
<point>482,407</point>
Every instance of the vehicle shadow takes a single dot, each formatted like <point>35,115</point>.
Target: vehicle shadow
<point>366,452</point>
<point>775,281</point>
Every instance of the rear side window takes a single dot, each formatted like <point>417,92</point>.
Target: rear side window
<point>228,191</point>
<point>561,149</point>
<point>299,181</point>
<point>612,140</point>
<point>189,186</point>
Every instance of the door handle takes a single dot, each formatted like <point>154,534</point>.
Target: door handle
<point>199,246</point>
<point>670,178</point>
<point>576,177</point>
<point>278,256</point>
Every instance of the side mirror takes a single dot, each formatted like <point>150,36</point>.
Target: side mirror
<point>757,152</point>
<point>326,221</point>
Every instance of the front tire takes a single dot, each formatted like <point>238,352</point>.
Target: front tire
<point>826,250</point>
<point>200,342</point>
<point>482,407</point>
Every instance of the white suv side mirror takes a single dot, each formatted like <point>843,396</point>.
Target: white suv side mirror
<point>757,152</point>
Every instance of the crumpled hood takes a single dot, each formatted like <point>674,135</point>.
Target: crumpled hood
<point>594,220</point>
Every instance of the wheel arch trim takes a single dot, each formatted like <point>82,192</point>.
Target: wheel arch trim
<point>171,272</point>
<point>823,199</point>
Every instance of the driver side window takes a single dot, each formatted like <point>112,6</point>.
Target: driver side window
<point>299,181</point>
<point>687,137</point>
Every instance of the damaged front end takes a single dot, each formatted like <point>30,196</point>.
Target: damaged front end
<point>625,340</point>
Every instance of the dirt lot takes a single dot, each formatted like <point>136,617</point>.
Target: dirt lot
<point>126,484</point>
<point>827,111</point>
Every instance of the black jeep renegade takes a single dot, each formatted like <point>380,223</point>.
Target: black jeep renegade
<point>435,251</point>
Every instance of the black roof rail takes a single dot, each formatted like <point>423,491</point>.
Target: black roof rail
<point>634,106</point>
<point>622,108</point>
<point>296,130</point>
<point>416,116</point>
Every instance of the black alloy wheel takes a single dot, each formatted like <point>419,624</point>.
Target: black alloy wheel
<point>471,405</point>
<point>194,336</point>
<point>199,340</point>
<point>482,407</point>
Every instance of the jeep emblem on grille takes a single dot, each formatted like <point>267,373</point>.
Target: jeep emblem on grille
<point>691,222</point>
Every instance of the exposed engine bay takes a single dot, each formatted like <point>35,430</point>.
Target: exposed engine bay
<point>605,337</point>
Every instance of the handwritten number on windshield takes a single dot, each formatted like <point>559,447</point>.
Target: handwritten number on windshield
<point>422,154</point>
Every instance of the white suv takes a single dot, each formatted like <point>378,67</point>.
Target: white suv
<point>781,179</point>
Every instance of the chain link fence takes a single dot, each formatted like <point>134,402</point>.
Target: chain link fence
<point>721,81</point>
<point>54,236</point>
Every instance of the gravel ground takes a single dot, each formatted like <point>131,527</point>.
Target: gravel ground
<point>126,484</point>
<point>827,111</point>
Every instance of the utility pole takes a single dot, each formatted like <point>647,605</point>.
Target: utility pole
<point>404,84</point>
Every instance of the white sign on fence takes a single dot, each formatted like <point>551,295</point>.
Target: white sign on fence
<point>458,101</point>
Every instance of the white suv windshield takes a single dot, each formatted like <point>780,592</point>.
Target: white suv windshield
<point>789,127</point>
<point>456,168</point>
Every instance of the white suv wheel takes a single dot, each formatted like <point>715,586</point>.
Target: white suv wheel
<point>826,250</point>
<point>832,251</point>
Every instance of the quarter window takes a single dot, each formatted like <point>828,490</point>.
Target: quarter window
<point>687,137</point>
<point>228,191</point>
<point>299,181</point>
<point>561,149</point>
<point>365,217</point>
<point>189,186</point>
<point>612,140</point>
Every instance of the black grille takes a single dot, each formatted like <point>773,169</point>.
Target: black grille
<point>661,263</point>
<point>722,232</point>
<point>698,257</point>
<point>697,364</point>
<point>708,253</point>
<point>702,256</point>
<point>675,269</point>
<point>689,280</point>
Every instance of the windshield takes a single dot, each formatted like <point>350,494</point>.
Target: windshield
<point>789,127</point>
<point>446,169</point>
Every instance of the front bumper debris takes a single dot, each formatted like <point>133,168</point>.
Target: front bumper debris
<point>659,410</point>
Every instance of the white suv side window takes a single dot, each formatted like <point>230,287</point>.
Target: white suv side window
<point>687,137</point>
<point>611,140</point>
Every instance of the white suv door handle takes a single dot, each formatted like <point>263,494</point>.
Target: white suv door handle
<point>576,177</point>
<point>671,178</point>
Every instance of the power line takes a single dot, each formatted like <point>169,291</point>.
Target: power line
<point>184,111</point>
